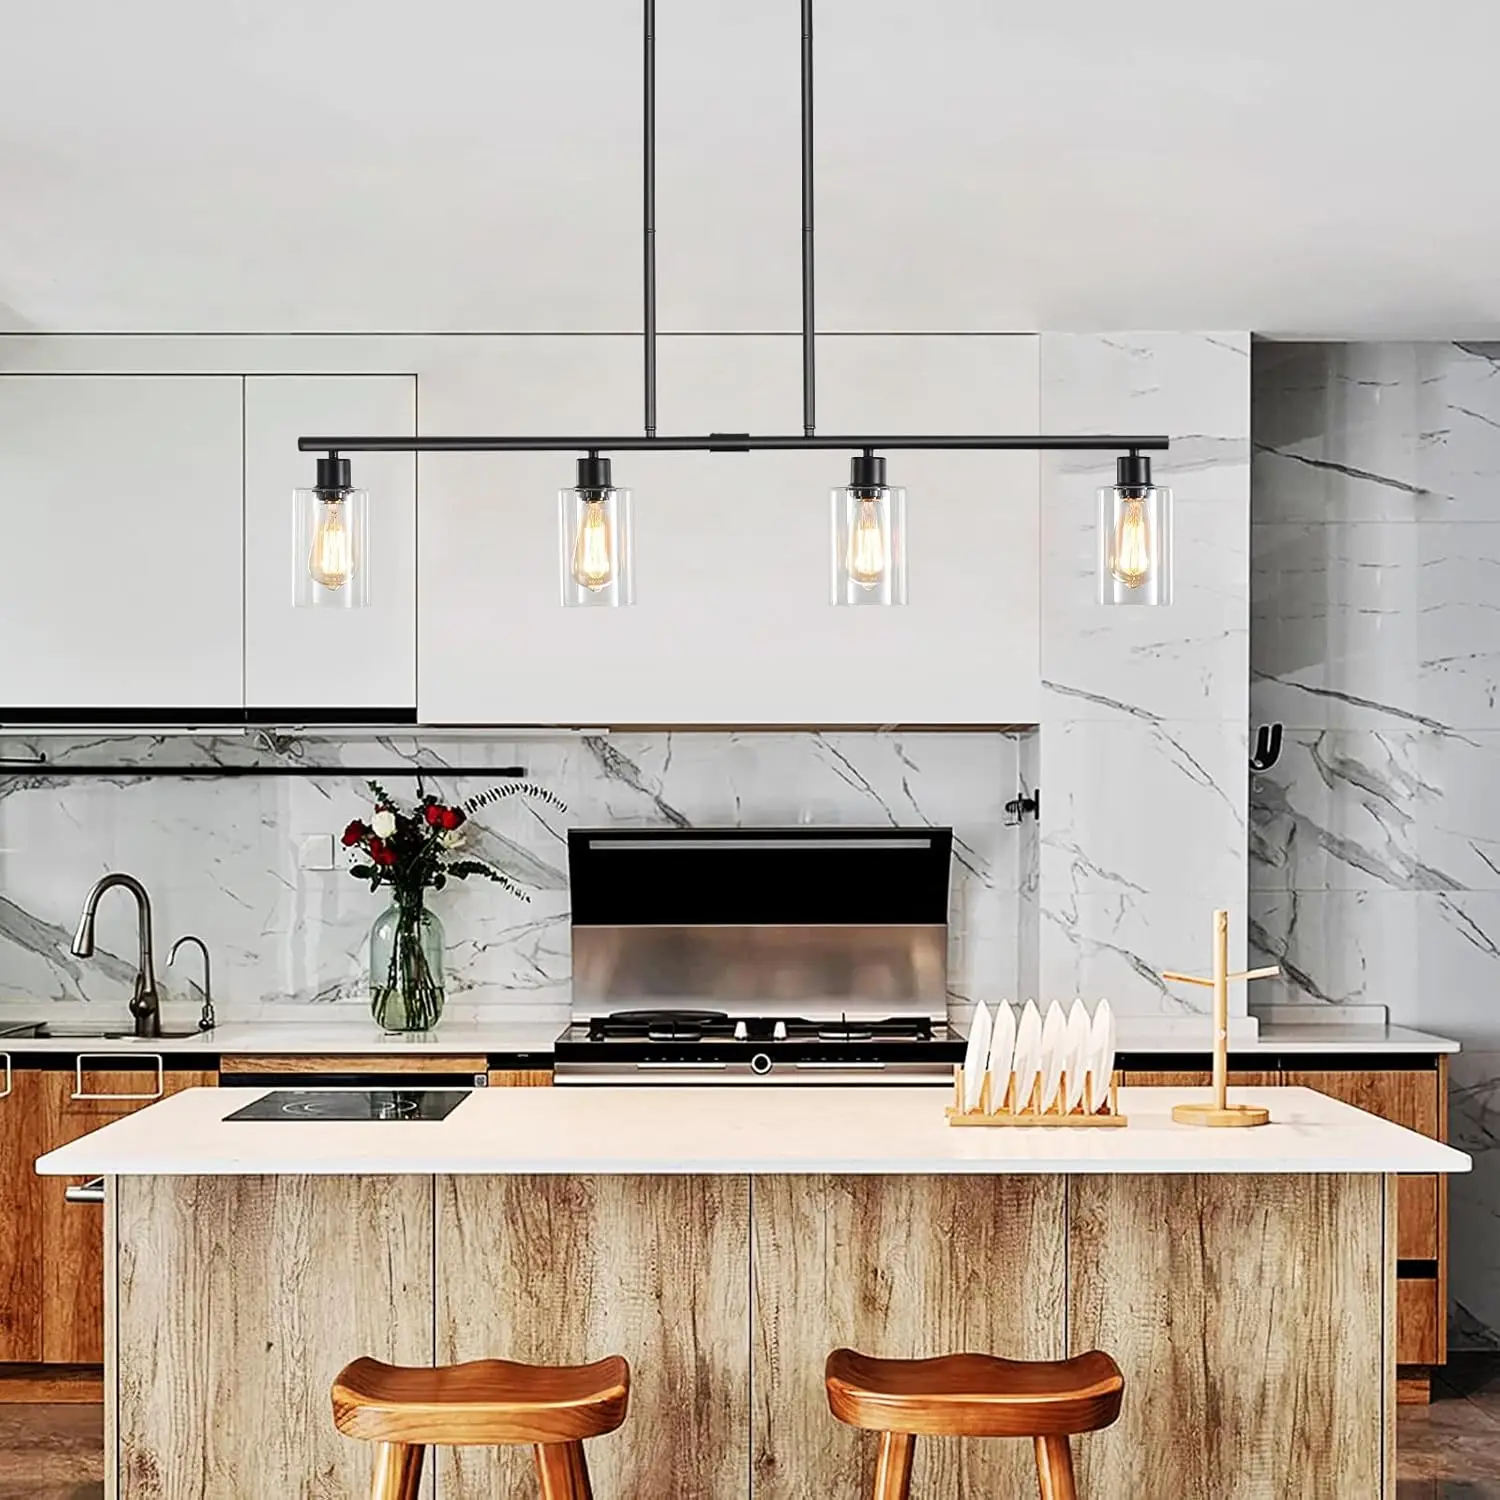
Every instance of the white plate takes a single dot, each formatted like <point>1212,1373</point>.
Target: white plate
<point>1079,1051</point>
<point>1101,1052</point>
<point>1028,1053</point>
<point>1054,1046</point>
<point>1002,1051</point>
<point>977,1055</point>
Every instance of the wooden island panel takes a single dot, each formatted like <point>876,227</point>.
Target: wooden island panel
<point>900,1267</point>
<point>563,1270</point>
<point>1248,1314</point>
<point>240,1299</point>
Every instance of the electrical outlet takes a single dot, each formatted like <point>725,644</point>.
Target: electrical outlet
<point>315,852</point>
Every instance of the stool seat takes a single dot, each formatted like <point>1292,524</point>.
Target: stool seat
<point>487,1401</point>
<point>975,1395</point>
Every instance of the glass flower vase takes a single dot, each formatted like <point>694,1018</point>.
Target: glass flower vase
<point>406,968</point>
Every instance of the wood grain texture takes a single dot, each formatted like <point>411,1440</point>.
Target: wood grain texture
<point>1389,1371</point>
<point>306,1063</point>
<point>1407,1096</point>
<point>72,1268</point>
<point>1195,1079</point>
<point>1418,1314</point>
<point>1247,1314</point>
<point>1442,1213</point>
<point>240,1300</point>
<point>21,1141</point>
<point>901,1268</point>
<point>520,1078</point>
<point>564,1270</point>
<point>56,1385</point>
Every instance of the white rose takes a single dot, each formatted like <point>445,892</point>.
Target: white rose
<point>451,838</point>
<point>384,824</point>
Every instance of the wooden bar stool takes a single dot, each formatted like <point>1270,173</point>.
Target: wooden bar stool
<point>974,1395</point>
<point>486,1402</point>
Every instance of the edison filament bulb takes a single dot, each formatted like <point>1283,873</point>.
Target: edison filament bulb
<point>1130,554</point>
<point>331,561</point>
<point>869,553</point>
<point>594,551</point>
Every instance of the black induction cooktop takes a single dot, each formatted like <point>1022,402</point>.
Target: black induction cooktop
<point>353,1104</point>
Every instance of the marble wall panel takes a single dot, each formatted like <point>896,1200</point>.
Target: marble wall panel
<point>1142,748</point>
<point>222,856</point>
<point>1375,638</point>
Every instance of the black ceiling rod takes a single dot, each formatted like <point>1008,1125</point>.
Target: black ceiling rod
<point>809,356</point>
<point>719,442</point>
<point>648,234</point>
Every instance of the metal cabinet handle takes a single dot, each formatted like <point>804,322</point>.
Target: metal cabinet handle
<point>10,1081</point>
<point>79,1092</point>
<point>85,1192</point>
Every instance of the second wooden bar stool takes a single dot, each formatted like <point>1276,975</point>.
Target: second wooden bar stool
<point>974,1395</point>
<point>487,1402</point>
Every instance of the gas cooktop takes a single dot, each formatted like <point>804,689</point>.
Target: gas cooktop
<point>353,1104</point>
<point>709,1046</point>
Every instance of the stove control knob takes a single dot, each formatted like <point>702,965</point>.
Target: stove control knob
<point>739,1031</point>
<point>778,1032</point>
<point>760,1064</point>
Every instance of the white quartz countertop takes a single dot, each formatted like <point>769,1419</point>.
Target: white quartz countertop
<point>362,1038</point>
<point>339,1039</point>
<point>734,1130</point>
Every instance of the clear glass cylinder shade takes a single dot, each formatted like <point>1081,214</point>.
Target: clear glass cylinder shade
<point>869,545</point>
<point>1135,545</point>
<point>597,546</point>
<point>331,548</point>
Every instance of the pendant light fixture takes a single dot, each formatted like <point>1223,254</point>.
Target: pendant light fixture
<point>869,536</point>
<point>331,530</point>
<point>868,532</point>
<point>594,526</point>
<point>1135,536</point>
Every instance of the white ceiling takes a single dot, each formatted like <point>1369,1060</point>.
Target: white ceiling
<point>1321,167</point>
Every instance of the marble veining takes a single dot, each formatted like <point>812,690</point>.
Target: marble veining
<point>1375,639</point>
<point>1145,827</point>
<point>221,855</point>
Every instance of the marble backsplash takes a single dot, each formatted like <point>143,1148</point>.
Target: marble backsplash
<point>225,856</point>
<point>1375,640</point>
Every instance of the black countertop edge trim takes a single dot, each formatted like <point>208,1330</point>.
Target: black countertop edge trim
<point>1273,1062</point>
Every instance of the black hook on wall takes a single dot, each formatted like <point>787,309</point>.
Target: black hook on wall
<point>1267,747</point>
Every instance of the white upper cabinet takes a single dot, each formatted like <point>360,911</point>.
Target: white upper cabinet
<point>329,658</point>
<point>728,177</point>
<point>733,623</point>
<point>121,572</point>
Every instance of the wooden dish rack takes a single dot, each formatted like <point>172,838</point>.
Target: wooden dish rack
<point>1032,1110</point>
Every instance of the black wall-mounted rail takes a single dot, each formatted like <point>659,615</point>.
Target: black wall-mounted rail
<point>715,443</point>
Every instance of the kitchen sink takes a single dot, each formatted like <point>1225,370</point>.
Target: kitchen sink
<point>64,1031</point>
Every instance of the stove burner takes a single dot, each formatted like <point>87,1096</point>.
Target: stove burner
<point>660,1025</point>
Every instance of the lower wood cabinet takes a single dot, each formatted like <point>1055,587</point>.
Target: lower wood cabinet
<point>1416,1097</point>
<point>52,1251</point>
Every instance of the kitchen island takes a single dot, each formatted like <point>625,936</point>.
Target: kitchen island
<point>725,1240</point>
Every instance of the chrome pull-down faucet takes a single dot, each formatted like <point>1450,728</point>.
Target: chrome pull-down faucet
<point>145,1005</point>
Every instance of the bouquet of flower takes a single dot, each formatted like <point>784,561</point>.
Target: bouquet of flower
<point>414,850</point>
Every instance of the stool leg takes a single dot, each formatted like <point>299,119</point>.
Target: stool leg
<point>1054,1468</point>
<point>893,1466</point>
<point>563,1471</point>
<point>398,1471</point>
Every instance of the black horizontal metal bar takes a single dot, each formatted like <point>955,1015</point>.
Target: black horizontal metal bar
<point>62,770</point>
<point>710,442</point>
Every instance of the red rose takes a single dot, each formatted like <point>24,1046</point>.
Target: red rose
<point>434,815</point>
<point>354,833</point>
<point>377,848</point>
<point>387,856</point>
<point>452,817</point>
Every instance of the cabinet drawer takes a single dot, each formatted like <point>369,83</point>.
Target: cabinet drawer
<point>1406,1096</point>
<point>1418,1208</point>
<point>1418,1322</point>
<point>520,1078</point>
